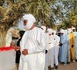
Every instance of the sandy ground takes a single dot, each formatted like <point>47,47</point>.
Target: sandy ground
<point>71,66</point>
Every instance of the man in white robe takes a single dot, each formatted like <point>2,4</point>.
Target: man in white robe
<point>56,49</point>
<point>50,49</point>
<point>63,52</point>
<point>32,46</point>
<point>68,55</point>
<point>46,54</point>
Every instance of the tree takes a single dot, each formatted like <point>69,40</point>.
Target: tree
<point>11,11</point>
<point>69,19</point>
<point>45,11</point>
<point>73,18</point>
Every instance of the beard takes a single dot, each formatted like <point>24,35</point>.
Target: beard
<point>28,25</point>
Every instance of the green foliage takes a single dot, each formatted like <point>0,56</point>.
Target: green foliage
<point>73,17</point>
<point>39,8</point>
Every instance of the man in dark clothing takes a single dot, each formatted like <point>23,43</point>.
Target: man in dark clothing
<point>18,48</point>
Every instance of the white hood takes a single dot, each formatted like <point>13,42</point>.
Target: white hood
<point>49,31</point>
<point>44,28</point>
<point>30,20</point>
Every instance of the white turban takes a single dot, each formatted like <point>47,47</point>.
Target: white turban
<point>30,20</point>
<point>44,28</point>
<point>73,28</point>
<point>54,32</point>
<point>65,31</point>
<point>69,30</point>
<point>49,31</point>
<point>29,17</point>
<point>61,31</point>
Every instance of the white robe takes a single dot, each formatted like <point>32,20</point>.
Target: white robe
<point>46,55</point>
<point>34,41</point>
<point>51,51</point>
<point>56,49</point>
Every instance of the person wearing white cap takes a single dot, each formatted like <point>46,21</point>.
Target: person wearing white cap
<point>32,46</point>
<point>63,48</point>
<point>56,49</point>
<point>50,49</point>
<point>67,32</point>
<point>44,28</point>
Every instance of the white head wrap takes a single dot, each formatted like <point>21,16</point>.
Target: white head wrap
<point>30,20</point>
<point>65,31</point>
<point>49,31</point>
<point>54,32</point>
<point>73,28</point>
<point>61,31</point>
<point>44,28</point>
<point>69,30</point>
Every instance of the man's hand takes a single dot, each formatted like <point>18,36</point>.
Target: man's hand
<point>60,44</point>
<point>46,51</point>
<point>72,45</point>
<point>17,48</point>
<point>25,52</point>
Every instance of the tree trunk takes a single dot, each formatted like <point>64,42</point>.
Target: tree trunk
<point>2,38</point>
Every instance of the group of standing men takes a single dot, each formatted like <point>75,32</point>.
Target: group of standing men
<point>68,49</point>
<point>41,48</point>
<point>62,47</point>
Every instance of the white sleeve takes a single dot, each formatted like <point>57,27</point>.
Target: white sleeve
<point>41,44</point>
<point>47,41</point>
